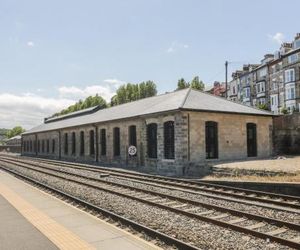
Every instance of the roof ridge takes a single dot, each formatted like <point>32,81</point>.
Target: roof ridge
<point>185,97</point>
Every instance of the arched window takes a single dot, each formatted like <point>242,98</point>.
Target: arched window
<point>81,143</point>
<point>103,141</point>
<point>251,140</point>
<point>43,146</point>
<point>30,146</point>
<point>132,135</point>
<point>25,146</point>
<point>34,146</point>
<point>92,142</point>
<point>53,146</point>
<point>39,146</point>
<point>73,143</point>
<point>169,140</point>
<point>152,140</point>
<point>48,146</point>
<point>66,144</point>
<point>116,141</point>
<point>211,139</point>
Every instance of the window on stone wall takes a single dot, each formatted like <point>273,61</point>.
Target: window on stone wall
<point>73,143</point>
<point>132,135</point>
<point>92,142</point>
<point>211,139</point>
<point>43,146</point>
<point>30,146</point>
<point>169,149</point>
<point>39,146</point>
<point>152,140</point>
<point>81,143</point>
<point>66,146</point>
<point>116,136</point>
<point>103,141</point>
<point>25,149</point>
<point>53,146</point>
<point>48,146</point>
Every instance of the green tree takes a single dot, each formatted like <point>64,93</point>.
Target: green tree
<point>182,84</point>
<point>15,131</point>
<point>131,92</point>
<point>197,84</point>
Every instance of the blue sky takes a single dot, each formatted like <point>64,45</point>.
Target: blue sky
<point>54,52</point>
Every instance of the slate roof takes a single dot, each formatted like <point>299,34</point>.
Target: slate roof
<point>187,99</point>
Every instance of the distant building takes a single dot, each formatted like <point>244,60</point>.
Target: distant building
<point>274,84</point>
<point>14,141</point>
<point>218,89</point>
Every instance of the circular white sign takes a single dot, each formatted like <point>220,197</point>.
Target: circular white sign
<point>132,150</point>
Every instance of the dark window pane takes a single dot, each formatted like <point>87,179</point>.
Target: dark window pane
<point>81,143</point>
<point>66,144</point>
<point>103,141</point>
<point>116,141</point>
<point>53,146</point>
<point>92,142</point>
<point>48,146</point>
<point>152,140</point>
<point>132,136</point>
<point>169,140</point>
<point>251,140</point>
<point>73,143</point>
<point>211,140</point>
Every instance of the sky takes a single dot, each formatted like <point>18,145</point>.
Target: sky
<point>52,53</point>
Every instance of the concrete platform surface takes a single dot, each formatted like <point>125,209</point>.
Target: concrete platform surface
<point>32,219</point>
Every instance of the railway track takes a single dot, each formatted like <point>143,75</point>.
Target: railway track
<point>257,226</point>
<point>223,192</point>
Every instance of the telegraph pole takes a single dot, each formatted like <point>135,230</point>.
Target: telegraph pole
<point>226,81</point>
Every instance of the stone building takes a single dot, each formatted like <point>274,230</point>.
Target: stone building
<point>274,83</point>
<point>177,133</point>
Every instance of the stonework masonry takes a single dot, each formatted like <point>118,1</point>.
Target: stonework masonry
<point>189,130</point>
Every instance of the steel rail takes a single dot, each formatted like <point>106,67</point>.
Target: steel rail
<point>192,202</point>
<point>194,185</point>
<point>234,227</point>
<point>130,223</point>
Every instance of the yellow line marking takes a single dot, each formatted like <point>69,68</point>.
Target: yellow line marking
<point>59,235</point>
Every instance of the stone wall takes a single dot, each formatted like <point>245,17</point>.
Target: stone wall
<point>232,139</point>
<point>287,134</point>
<point>189,129</point>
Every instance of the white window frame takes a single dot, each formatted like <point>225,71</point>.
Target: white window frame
<point>289,75</point>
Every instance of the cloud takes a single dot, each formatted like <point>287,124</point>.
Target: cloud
<point>278,37</point>
<point>30,44</point>
<point>175,46</point>
<point>107,90</point>
<point>28,110</point>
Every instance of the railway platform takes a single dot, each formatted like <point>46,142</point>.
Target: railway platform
<point>32,219</point>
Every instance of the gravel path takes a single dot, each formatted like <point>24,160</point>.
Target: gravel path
<point>203,235</point>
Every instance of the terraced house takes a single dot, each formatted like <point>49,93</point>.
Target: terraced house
<point>177,133</point>
<point>274,83</point>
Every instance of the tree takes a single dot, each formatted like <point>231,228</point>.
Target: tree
<point>89,102</point>
<point>182,84</point>
<point>131,92</point>
<point>15,131</point>
<point>197,84</point>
